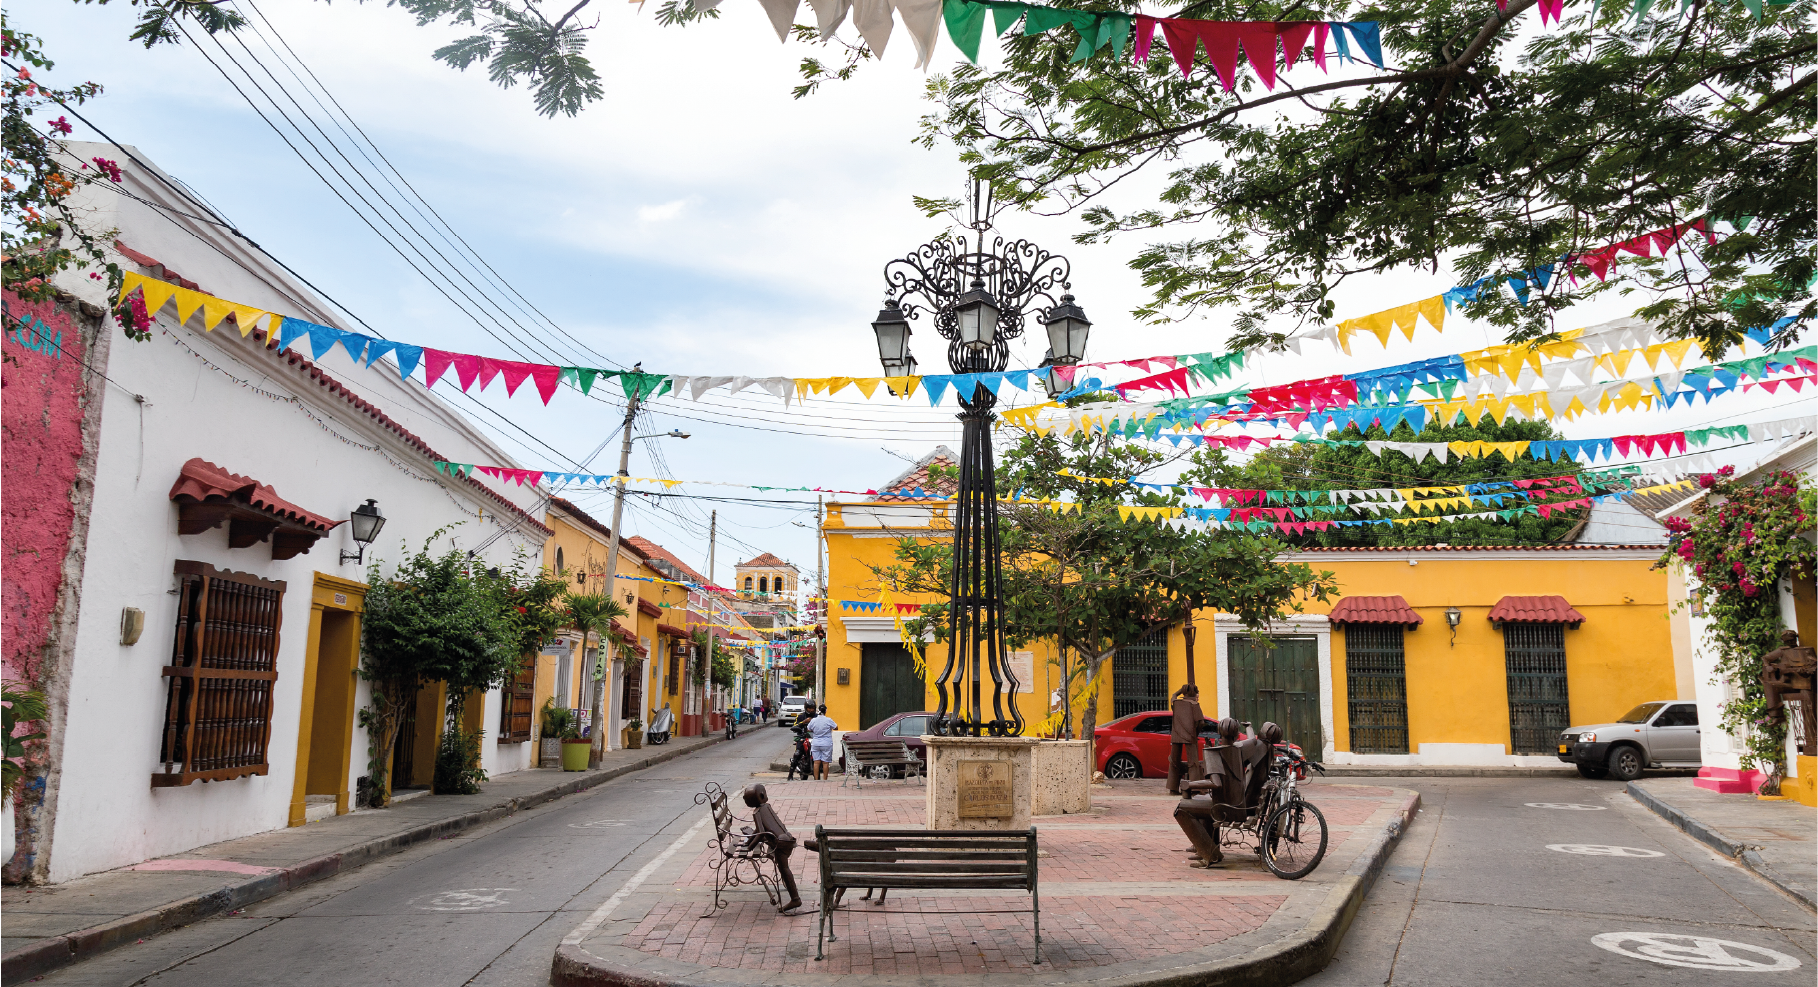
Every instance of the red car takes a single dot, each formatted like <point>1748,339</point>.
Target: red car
<point>906,727</point>
<point>1136,746</point>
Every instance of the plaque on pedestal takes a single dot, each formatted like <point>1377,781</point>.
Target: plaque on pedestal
<point>985,790</point>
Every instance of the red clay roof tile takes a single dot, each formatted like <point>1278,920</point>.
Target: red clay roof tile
<point>199,480</point>
<point>1374,610</point>
<point>1535,610</point>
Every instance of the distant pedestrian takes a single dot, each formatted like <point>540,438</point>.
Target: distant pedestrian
<point>820,742</point>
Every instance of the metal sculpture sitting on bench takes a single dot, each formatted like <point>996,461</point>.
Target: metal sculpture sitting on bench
<point>756,854</point>
<point>1252,791</point>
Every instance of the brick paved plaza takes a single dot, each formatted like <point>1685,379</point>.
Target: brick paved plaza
<point>1116,892</point>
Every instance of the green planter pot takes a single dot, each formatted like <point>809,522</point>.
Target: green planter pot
<point>574,754</point>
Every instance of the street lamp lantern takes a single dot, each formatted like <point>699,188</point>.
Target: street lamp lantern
<point>892,329</point>
<point>1051,380</point>
<point>363,525</point>
<point>976,314</point>
<point>1067,329</point>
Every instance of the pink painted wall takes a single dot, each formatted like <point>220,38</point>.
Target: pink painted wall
<point>41,389</point>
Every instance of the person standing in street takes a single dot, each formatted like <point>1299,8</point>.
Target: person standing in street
<point>1183,747</point>
<point>820,742</point>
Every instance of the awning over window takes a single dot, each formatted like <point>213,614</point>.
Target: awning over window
<point>1535,610</point>
<point>207,495</point>
<point>1374,610</point>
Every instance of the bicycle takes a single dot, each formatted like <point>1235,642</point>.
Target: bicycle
<point>1292,836</point>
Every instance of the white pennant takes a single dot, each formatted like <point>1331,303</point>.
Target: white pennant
<point>782,15</point>
<point>922,19</point>
<point>873,20</point>
<point>829,15</point>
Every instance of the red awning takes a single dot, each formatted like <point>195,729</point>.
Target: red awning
<point>1374,610</point>
<point>1535,610</point>
<point>671,630</point>
<point>207,495</point>
<point>648,608</point>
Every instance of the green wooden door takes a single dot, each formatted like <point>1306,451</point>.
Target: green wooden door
<point>1279,683</point>
<point>888,684</point>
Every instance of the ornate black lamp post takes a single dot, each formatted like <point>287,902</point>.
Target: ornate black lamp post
<point>978,298</point>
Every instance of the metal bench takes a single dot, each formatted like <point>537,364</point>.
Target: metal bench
<point>744,857</point>
<point>947,859</point>
<point>866,755</point>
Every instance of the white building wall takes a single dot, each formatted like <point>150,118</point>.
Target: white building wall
<point>107,814</point>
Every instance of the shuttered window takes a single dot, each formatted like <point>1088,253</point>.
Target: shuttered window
<point>218,685</point>
<point>675,667</point>
<point>517,701</point>
<point>634,690</point>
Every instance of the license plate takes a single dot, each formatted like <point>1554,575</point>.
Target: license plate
<point>1562,748</point>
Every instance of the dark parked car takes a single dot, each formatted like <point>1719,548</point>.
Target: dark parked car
<point>906,727</point>
<point>1136,746</point>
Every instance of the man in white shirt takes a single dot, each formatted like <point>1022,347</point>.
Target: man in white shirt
<point>820,742</point>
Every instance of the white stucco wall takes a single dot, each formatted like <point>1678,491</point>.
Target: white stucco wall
<point>107,814</point>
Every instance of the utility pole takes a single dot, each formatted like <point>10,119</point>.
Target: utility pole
<point>820,642</point>
<point>612,574</point>
<point>713,613</point>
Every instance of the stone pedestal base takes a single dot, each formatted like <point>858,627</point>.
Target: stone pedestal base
<point>1047,777</point>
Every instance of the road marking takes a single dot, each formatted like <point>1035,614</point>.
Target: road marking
<point>1603,850</point>
<point>464,900</point>
<point>1565,805</point>
<point>1695,952</point>
<point>594,921</point>
<point>599,824</point>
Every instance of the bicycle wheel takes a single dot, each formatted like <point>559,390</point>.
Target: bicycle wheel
<point>1294,840</point>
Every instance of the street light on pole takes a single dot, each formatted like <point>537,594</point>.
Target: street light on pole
<point>977,298</point>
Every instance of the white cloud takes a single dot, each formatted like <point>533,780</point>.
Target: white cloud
<point>663,213</point>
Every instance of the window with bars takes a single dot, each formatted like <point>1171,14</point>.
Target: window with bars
<point>1539,706</point>
<point>676,652</point>
<point>218,685</point>
<point>1139,676</point>
<point>632,701</point>
<point>1376,688</point>
<point>517,703</point>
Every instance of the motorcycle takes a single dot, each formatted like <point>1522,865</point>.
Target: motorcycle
<point>660,725</point>
<point>732,723</point>
<point>803,759</point>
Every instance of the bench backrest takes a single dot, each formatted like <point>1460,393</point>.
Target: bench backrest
<point>920,858</point>
<point>879,750</point>
<point>722,816</point>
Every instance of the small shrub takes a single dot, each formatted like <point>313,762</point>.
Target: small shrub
<point>458,770</point>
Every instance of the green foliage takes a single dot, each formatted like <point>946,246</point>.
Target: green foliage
<point>458,770</point>
<point>1310,466</point>
<point>42,235</point>
<point>1745,539</point>
<point>22,705</point>
<point>559,721</point>
<point>1488,143</point>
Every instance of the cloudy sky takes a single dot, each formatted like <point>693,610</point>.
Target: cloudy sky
<point>698,220</point>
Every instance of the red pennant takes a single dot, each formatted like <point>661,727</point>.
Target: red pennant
<point>434,363</point>
<point>1145,38</point>
<point>515,373</point>
<point>1546,510</point>
<point>1259,39</point>
<point>1320,30</point>
<point>1623,442</point>
<point>489,368</point>
<point>1220,39</point>
<point>1676,442</point>
<point>1638,246</point>
<point>1181,42</point>
<point>548,378</point>
<point>1293,39</point>
<point>467,366</point>
<point>492,471</point>
<point>1666,238</point>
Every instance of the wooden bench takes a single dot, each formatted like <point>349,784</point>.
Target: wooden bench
<point>949,859</point>
<point>744,857</point>
<point>864,755</point>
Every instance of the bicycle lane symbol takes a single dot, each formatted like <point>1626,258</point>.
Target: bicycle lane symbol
<point>1695,952</point>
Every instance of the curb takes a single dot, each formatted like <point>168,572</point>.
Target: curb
<point>1292,958</point>
<point>56,952</point>
<point>1742,853</point>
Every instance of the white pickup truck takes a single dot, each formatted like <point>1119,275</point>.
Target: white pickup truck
<point>1660,734</point>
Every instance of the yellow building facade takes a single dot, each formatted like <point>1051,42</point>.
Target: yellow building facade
<point>1581,635</point>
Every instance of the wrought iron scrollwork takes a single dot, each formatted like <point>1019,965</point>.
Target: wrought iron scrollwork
<point>740,857</point>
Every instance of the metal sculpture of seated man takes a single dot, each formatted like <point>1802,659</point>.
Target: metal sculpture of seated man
<point>1224,789</point>
<point>1787,672</point>
<point>768,826</point>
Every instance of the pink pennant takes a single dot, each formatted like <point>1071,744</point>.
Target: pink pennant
<point>1065,372</point>
<point>1771,386</point>
<point>1550,7</point>
<point>548,378</point>
<point>467,366</point>
<point>1638,246</point>
<point>1546,510</point>
<point>1698,224</point>
<point>1806,365</point>
<point>1145,38</point>
<point>1623,442</point>
<point>515,373</point>
<point>1293,38</point>
<point>1259,39</point>
<point>492,471</point>
<point>1676,442</point>
<point>489,368</point>
<point>1665,238</point>
<point>1138,364</point>
<point>1320,30</point>
<point>434,363</point>
<point>1797,383</point>
<point>1502,6</point>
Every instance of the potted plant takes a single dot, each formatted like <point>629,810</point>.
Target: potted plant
<point>576,749</point>
<point>556,721</point>
<point>634,734</point>
<point>22,706</point>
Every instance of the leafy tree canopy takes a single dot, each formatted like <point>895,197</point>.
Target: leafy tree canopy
<point>1312,466</point>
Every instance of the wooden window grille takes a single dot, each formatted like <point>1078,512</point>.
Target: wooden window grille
<point>633,700</point>
<point>1376,687</point>
<point>1539,704</point>
<point>675,669</point>
<point>224,661</point>
<point>517,703</point>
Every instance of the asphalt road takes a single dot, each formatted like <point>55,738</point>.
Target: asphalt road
<point>1485,889</point>
<point>1475,893</point>
<point>486,907</point>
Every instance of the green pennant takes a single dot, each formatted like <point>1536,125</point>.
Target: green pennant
<point>965,23</point>
<point>587,376</point>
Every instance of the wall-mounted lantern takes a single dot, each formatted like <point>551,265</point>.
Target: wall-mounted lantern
<point>1453,616</point>
<point>364,524</point>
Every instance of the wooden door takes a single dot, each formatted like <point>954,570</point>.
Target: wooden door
<point>888,684</point>
<point>1278,681</point>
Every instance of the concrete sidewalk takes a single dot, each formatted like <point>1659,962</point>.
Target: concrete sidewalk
<point>1119,905</point>
<point>1777,840</point>
<point>54,926</point>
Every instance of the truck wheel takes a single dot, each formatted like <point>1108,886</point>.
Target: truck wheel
<point>1593,771</point>
<point>1626,764</point>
